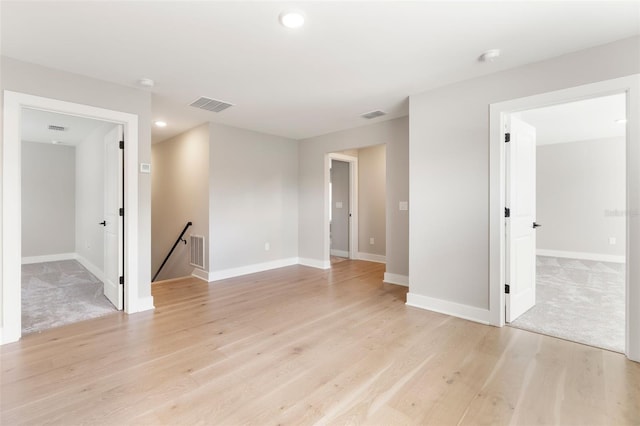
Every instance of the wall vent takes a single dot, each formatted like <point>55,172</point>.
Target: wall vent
<point>210,104</point>
<point>197,251</point>
<point>372,114</point>
<point>57,128</point>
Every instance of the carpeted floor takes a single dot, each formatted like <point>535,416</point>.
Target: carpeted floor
<point>59,293</point>
<point>579,300</point>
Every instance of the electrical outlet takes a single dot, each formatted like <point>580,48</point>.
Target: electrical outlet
<point>612,241</point>
<point>267,246</point>
<point>403,205</point>
<point>372,241</point>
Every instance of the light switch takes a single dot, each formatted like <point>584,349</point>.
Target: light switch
<point>612,241</point>
<point>338,204</point>
<point>145,168</point>
<point>404,205</point>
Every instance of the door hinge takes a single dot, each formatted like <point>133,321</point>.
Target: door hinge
<point>507,137</point>
<point>507,289</point>
<point>507,212</point>
<point>122,280</point>
<point>121,211</point>
<point>121,145</point>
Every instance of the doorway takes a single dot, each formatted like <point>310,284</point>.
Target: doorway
<point>565,246</point>
<point>343,206</point>
<point>12,204</point>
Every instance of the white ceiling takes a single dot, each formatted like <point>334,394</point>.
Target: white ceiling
<point>578,121</point>
<point>350,57</point>
<point>35,127</point>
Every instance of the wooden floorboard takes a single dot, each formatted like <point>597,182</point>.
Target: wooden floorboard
<point>298,345</point>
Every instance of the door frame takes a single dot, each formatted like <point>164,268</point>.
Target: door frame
<point>12,209</point>
<point>353,204</point>
<point>629,85</point>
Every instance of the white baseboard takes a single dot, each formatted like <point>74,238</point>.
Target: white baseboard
<point>90,267</point>
<point>49,258</point>
<point>396,279</point>
<point>313,263</point>
<point>467,312</point>
<point>200,274</point>
<point>251,269</point>
<point>598,257</point>
<point>144,304</point>
<point>372,257</point>
<point>339,253</point>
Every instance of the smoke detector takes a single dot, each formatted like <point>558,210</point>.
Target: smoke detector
<point>372,114</point>
<point>489,55</point>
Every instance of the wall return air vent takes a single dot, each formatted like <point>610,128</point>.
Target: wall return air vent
<point>373,114</point>
<point>210,104</point>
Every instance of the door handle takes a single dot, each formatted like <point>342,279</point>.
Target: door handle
<point>103,223</point>
<point>535,225</point>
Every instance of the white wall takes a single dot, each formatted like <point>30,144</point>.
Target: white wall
<point>48,199</point>
<point>253,184</point>
<point>372,200</point>
<point>340,215</point>
<point>580,187</point>
<point>449,166</point>
<point>36,80</point>
<point>392,133</point>
<point>90,171</point>
<point>180,193</point>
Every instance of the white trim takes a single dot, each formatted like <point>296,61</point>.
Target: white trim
<point>369,257</point>
<point>467,312</point>
<point>200,274</point>
<point>11,201</point>
<point>145,304</point>
<point>396,279</point>
<point>99,273</point>
<point>1,334</point>
<point>599,257</point>
<point>340,253</point>
<point>251,269</point>
<point>314,263</point>
<point>49,258</point>
<point>629,85</point>
<point>353,204</point>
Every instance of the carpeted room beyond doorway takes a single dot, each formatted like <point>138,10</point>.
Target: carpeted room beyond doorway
<point>60,293</point>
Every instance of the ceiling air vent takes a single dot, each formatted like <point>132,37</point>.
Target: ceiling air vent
<point>57,128</point>
<point>210,104</point>
<point>372,114</point>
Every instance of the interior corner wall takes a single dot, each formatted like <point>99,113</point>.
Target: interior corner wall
<point>392,133</point>
<point>372,200</point>
<point>180,194</point>
<point>449,166</point>
<point>23,77</point>
<point>253,183</point>
<point>581,197</point>
<point>48,199</point>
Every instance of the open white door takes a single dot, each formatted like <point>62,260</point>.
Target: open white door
<point>520,232</point>
<point>113,222</point>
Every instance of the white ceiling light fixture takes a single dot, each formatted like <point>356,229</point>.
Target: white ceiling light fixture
<point>621,120</point>
<point>161,123</point>
<point>292,19</point>
<point>490,55</point>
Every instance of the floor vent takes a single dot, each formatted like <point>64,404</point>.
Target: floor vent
<point>197,251</point>
<point>210,104</point>
<point>373,114</point>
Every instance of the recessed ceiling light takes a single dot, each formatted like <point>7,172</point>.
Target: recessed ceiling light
<point>146,82</point>
<point>621,120</point>
<point>161,123</point>
<point>489,55</point>
<point>292,19</point>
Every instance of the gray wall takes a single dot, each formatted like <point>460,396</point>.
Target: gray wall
<point>180,193</point>
<point>253,184</point>
<point>340,216</point>
<point>90,197</point>
<point>32,79</point>
<point>395,135</point>
<point>449,166</point>
<point>372,200</point>
<point>48,199</point>
<point>579,185</point>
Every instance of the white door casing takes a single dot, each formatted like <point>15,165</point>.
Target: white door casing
<point>113,264</point>
<point>520,231</point>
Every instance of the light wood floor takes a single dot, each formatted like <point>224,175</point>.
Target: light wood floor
<point>301,346</point>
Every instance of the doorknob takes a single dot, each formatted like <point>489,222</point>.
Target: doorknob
<point>535,225</point>
<point>103,223</point>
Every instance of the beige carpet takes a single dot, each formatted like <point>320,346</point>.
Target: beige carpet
<point>59,293</point>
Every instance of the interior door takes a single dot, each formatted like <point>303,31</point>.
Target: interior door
<point>113,222</point>
<point>520,232</point>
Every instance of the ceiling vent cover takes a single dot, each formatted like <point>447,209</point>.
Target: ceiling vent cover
<point>210,104</point>
<point>373,114</point>
<point>57,128</point>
